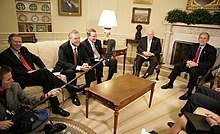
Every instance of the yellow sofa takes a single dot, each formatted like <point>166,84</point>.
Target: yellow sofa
<point>48,52</point>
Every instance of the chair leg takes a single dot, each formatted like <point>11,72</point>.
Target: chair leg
<point>158,72</point>
<point>134,70</point>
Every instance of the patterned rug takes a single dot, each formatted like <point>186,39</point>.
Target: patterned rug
<point>73,127</point>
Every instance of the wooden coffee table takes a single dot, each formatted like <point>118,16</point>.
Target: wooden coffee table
<point>119,92</point>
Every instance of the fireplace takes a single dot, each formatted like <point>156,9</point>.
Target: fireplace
<point>180,51</point>
<point>179,36</point>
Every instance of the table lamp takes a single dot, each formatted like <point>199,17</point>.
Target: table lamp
<point>107,20</point>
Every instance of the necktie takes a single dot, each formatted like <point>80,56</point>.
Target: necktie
<point>24,62</point>
<point>96,53</point>
<point>75,56</point>
<point>148,45</point>
<point>196,59</point>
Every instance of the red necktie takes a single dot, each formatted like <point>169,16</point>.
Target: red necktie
<point>24,62</point>
<point>197,55</point>
<point>75,56</point>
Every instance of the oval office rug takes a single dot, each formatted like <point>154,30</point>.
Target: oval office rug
<point>73,127</point>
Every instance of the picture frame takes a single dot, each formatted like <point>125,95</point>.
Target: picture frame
<point>149,2</point>
<point>69,7</point>
<point>203,4</point>
<point>41,28</point>
<point>141,15</point>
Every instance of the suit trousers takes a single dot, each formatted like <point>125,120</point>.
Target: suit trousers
<point>153,63</point>
<point>112,64</point>
<point>98,71</point>
<point>194,73</point>
<point>205,98</point>
<point>44,78</point>
<point>71,74</point>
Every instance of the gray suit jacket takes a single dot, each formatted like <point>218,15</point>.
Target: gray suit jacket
<point>14,97</point>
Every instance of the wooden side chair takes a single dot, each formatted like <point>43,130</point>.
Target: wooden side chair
<point>157,68</point>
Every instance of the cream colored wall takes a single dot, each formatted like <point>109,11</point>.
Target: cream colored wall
<point>91,11</point>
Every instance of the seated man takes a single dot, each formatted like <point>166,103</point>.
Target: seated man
<point>95,52</point>
<point>23,71</point>
<point>204,97</point>
<point>73,58</point>
<point>149,48</point>
<point>11,97</point>
<point>183,124</point>
<point>200,59</point>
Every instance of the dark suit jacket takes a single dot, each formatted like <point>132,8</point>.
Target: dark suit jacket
<point>67,8</point>
<point>98,45</point>
<point>207,56</point>
<point>155,46</point>
<point>18,69</point>
<point>66,55</point>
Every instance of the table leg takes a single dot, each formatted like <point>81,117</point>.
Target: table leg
<point>116,113</point>
<point>87,103</point>
<point>151,96</point>
<point>124,63</point>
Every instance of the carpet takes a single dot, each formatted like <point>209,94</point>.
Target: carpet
<point>73,127</point>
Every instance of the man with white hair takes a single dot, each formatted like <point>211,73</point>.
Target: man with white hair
<point>148,49</point>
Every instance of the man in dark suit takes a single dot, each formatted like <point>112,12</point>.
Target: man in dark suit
<point>68,65</point>
<point>95,52</point>
<point>23,71</point>
<point>149,48</point>
<point>199,60</point>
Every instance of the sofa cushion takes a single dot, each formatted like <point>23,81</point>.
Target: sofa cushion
<point>48,52</point>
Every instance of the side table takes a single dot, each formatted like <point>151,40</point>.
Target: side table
<point>118,52</point>
<point>121,51</point>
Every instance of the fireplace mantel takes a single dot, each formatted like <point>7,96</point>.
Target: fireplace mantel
<point>189,33</point>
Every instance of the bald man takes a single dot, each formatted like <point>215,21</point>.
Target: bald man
<point>150,47</point>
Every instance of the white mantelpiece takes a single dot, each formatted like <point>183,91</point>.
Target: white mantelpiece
<point>189,33</point>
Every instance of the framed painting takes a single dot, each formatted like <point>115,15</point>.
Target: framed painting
<point>149,2</point>
<point>141,15</point>
<point>69,7</point>
<point>41,28</point>
<point>203,4</point>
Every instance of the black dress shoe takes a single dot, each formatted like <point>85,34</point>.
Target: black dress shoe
<point>79,88</point>
<point>167,86</point>
<point>50,129</point>
<point>170,124</point>
<point>180,114</point>
<point>61,112</point>
<point>84,92</point>
<point>145,75</point>
<point>75,99</point>
<point>184,96</point>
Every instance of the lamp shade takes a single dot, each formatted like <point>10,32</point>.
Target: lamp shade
<point>108,19</point>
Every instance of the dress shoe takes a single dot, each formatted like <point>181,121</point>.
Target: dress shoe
<point>79,88</point>
<point>184,96</point>
<point>75,99</point>
<point>84,92</point>
<point>167,86</point>
<point>61,112</point>
<point>145,75</point>
<point>180,114</point>
<point>50,129</point>
<point>170,124</point>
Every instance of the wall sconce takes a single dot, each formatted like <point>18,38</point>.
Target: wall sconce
<point>108,20</point>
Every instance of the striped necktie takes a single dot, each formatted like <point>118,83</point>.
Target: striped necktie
<point>75,56</point>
